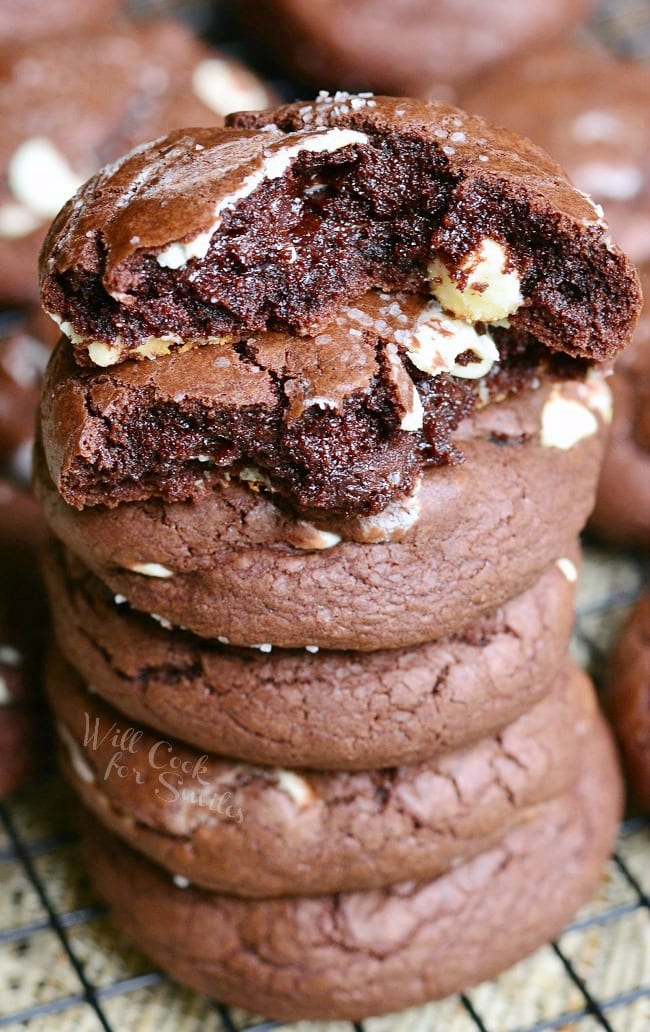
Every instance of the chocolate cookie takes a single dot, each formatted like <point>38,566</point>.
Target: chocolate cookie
<point>264,831</point>
<point>622,511</point>
<point>32,19</point>
<point>71,103</point>
<point>397,46</point>
<point>357,954</point>
<point>23,357</point>
<point>23,608</point>
<point>628,697</point>
<point>23,628</point>
<point>469,538</point>
<point>300,708</point>
<point>19,720</point>
<point>590,111</point>
<point>280,219</point>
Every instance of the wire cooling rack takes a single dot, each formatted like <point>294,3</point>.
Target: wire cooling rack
<point>63,969</point>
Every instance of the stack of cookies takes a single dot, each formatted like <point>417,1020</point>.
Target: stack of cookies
<point>313,563</point>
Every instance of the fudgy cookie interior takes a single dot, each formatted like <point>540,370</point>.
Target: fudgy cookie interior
<point>275,221</point>
<point>339,424</point>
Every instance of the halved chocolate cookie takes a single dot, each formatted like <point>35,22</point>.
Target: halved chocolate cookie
<point>241,567</point>
<point>284,216</point>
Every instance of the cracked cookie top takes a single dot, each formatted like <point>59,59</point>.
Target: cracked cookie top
<point>278,219</point>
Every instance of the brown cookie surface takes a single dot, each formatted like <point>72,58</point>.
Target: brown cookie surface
<point>589,110</point>
<point>330,710</point>
<point>399,46</point>
<point>622,511</point>
<point>171,246</point>
<point>71,103</point>
<point>628,697</point>
<point>357,954</point>
<point>471,537</point>
<point>268,831</point>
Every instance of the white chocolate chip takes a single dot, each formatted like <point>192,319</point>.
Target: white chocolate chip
<point>413,418</point>
<point>10,656</point>
<point>594,125</point>
<point>273,167</point>
<point>26,363</point>
<point>105,354</point>
<point>181,882</point>
<point>326,540</point>
<point>266,647</point>
<point>320,402</point>
<point>392,523</point>
<point>177,254</point>
<point>17,221</point>
<point>40,178</point>
<point>20,462</point>
<point>155,347</point>
<point>162,620</point>
<point>298,790</point>
<point>439,340</point>
<point>66,327</point>
<point>566,567</point>
<point>101,354</point>
<point>151,570</point>
<point>79,765</point>
<point>597,395</point>
<point>253,475</point>
<point>407,392</point>
<point>312,648</point>
<point>6,698</point>
<point>609,181</point>
<point>224,89</point>
<point>311,537</point>
<point>565,421</point>
<point>483,288</point>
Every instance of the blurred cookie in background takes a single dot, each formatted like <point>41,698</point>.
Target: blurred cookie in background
<point>26,340</point>
<point>628,698</point>
<point>24,725</point>
<point>591,112</point>
<point>70,104</point>
<point>23,721</point>
<point>32,19</point>
<point>399,46</point>
<point>622,511</point>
